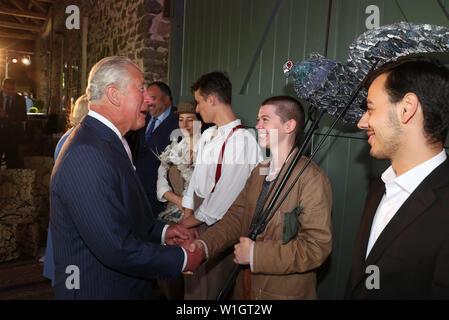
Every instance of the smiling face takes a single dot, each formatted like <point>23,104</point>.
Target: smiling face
<point>185,122</point>
<point>156,100</point>
<point>270,127</point>
<point>381,121</point>
<point>131,101</point>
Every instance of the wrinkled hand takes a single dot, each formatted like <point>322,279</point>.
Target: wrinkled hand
<point>194,259</point>
<point>242,251</point>
<point>177,235</point>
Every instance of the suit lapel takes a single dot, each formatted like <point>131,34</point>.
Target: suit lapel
<point>114,142</point>
<point>361,244</point>
<point>416,205</point>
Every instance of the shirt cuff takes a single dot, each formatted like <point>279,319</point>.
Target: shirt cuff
<point>251,261</point>
<point>183,250</point>
<point>206,251</point>
<point>160,193</point>
<point>163,234</point>
<point>187,202</point>
<point>185,259</point>
<point>199,215</point>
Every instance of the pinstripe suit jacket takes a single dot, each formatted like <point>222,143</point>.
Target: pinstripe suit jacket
<point>101,221</point>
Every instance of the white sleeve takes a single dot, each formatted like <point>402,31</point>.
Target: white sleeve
<point>241,156</point>
<point>162,185</point>
<point>187,199</point>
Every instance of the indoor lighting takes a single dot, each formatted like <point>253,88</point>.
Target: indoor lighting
<point>26,61</point>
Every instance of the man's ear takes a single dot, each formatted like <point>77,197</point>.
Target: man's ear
<point>211,99</point>
<point>167,100</point>
<point>408,107</point>
<point>290,126</point>
<point>113,95</point>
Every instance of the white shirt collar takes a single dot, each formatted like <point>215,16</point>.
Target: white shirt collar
<point>109,124</point>
<point>229,126</point>
<point>106,122</point>
<point>411,179</point>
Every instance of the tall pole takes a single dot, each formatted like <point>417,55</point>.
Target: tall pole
<point>84,55</point>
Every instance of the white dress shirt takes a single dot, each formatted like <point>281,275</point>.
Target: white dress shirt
<point>397,191</point>
<point>241,156</point>
<point>111,126</point>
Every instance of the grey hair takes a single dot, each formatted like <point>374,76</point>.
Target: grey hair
<point>107,71</point>
<point>80,109</point>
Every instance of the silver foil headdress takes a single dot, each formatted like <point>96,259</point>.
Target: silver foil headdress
<point>329,84</point>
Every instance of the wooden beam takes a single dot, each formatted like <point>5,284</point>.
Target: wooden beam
<point>20,26</point>
<point>37,5</point>
<point>23,13</point>
<point>20,36</point>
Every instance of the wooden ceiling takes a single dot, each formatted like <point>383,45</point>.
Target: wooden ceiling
<point>21,22</point>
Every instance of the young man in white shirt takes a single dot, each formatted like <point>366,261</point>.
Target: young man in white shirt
<point>402,248</point>
<point>227,153</point>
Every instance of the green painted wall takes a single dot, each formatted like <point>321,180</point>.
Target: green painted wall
<point>212,35</point>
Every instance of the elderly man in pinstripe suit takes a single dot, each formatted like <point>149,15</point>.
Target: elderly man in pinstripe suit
<point>107,243</point>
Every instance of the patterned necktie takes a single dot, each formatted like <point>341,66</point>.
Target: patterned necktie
<point>150,129</point>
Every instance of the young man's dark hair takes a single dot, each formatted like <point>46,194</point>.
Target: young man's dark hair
<point>165,89</point>
<point>288,108</point>
<point>429,80</point>
<point>214,83</point>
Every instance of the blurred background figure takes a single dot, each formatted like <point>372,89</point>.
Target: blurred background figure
<point>28,101</point>
<point>12,123</point>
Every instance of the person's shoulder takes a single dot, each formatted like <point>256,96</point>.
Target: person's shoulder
<point>312,170</point>
<point>208,132</point>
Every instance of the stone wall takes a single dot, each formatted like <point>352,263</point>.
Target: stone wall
<point>138,29</point>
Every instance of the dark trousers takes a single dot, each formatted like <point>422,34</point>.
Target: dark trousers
<point>10,139</point>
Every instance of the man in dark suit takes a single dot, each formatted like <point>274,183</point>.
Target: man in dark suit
<point>402,247</point>
<point>12,122</point>
<point>107,244</point>
<point>150,141</point>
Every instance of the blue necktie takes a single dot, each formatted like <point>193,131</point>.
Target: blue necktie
<point>150,129</point>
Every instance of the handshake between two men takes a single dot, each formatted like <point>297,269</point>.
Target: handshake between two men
<point>178,235</point>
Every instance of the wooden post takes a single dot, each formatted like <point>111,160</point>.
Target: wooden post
<point>84,55</point>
